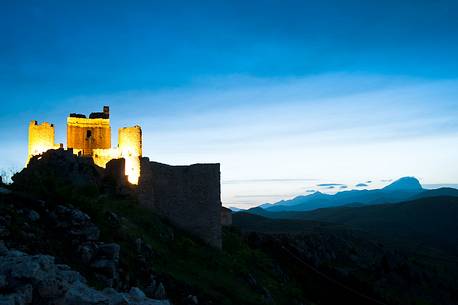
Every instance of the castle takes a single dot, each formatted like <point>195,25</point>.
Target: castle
<point>188,196</point>
<point>92,137</point>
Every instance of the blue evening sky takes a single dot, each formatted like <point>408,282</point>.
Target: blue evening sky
<point>287,95</point>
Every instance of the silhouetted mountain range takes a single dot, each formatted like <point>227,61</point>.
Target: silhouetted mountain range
<point>400,190</point>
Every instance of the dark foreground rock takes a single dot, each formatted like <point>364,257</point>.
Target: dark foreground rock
<point>37,279</point>
<point>71,236</point>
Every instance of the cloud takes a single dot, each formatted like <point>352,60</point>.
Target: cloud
<point>264,196</point>
<point>310,191</point>
<point>329,184</point>
<point>238,181</point>
<point>438,185</point>
<point>369,181</point>
<point>361,185</point>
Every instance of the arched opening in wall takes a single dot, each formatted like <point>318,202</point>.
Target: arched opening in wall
<point>88,134</point>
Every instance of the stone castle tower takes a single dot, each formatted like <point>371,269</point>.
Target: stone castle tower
<point>86,134</point>
<point>91,137</point>
<point>41,138</point>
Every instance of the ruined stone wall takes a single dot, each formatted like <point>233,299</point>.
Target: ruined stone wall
<point>130,148</point>
<point>188,196</point>
<point>103,156</point>
<point>41,138</point>
<point>226,216</point>
<point>87,134</point>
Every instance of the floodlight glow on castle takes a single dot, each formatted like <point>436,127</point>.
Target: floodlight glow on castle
<point>91,137</point>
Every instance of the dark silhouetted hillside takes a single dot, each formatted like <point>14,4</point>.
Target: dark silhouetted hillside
<point>394,253</point>
<point>443,191</point>
<point>430,220</point>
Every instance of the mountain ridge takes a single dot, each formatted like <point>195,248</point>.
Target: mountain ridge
<point>399,190</point>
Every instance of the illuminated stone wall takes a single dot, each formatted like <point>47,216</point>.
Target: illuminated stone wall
<point>102,156</point>
<point>41,138</point>
<point>87,134</point>
<point>130,148</point>
<point>130,140</point>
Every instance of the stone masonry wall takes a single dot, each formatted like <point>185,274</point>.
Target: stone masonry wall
<point>41,138</point>
<point>130,148</point>
<point>188,196</point>
<point>88,134</point>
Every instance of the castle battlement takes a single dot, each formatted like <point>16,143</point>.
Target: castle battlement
<point>87,122</point>
<point>91,137</point>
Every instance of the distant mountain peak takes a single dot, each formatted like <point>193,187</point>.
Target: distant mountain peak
<point>315,194</point>
<point>404,184</point>
<point>234,209</point>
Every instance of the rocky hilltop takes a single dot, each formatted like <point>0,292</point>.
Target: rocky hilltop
<point>73,228</point>
<point>71,235</point>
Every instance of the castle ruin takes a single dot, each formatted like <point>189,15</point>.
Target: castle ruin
<point>188,196</point>
<point>92,137</point>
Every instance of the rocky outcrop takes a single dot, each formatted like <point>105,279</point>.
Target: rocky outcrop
<point>71,235</point>
<point>58,171</point>
<point>101,258</point>
<point>37,279</point>
<point>77,224</point>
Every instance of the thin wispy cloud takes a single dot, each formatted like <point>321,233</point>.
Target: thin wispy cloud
<point>239,181</point>
<point>264,196</point>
